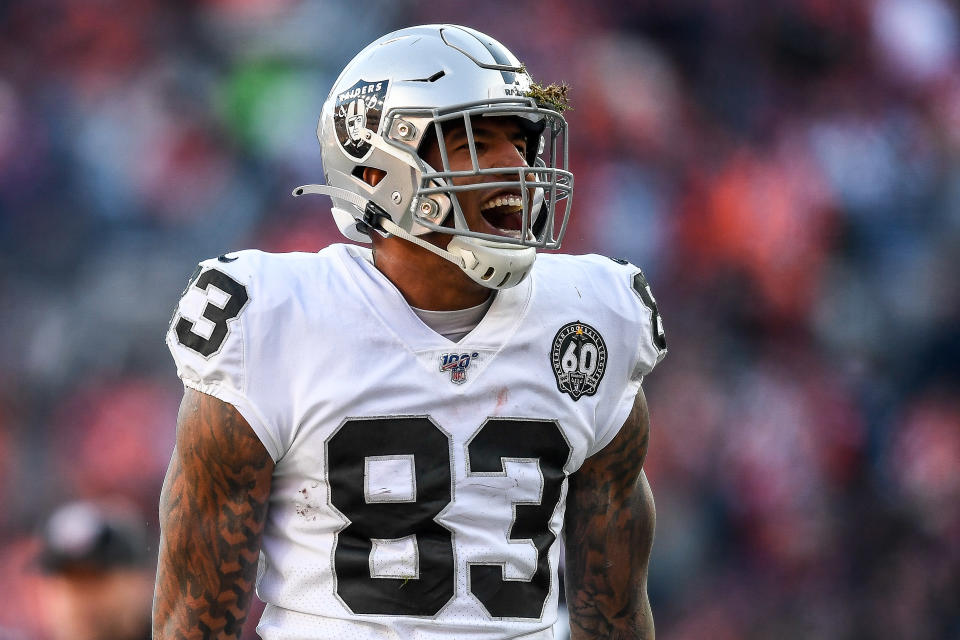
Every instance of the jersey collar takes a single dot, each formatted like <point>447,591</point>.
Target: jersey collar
<point>389,306</point>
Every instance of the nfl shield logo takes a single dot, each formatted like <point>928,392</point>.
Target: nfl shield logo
<point>456,364</point>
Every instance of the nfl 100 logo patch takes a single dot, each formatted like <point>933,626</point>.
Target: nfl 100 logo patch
<point>579,358</point>
<point>456,364</point>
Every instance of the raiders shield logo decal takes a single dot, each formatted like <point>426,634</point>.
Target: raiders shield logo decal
<point>579,358</point>
<point>356,116</point>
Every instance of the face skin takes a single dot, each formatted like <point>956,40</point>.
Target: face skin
<point>500,142</point>
<point>97,605</point>
<point>428,281</point>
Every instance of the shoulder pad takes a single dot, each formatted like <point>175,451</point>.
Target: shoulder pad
<point>653,345</point>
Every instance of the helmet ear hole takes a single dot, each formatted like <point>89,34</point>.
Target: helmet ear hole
<point>371,175</point>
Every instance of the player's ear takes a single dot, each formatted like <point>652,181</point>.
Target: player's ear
<point>373,176</point>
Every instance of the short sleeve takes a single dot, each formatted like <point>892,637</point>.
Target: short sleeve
<point>641,334</point>
<point>651,336</point>
<point>208,340</point>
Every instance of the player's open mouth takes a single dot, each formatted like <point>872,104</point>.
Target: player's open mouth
<point>504,212</point>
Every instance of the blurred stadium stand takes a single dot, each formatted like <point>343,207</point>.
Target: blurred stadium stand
<point>787,173</point>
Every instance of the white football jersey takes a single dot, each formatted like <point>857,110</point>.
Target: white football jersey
<point>420,484</point>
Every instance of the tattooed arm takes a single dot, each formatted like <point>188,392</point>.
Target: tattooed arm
<point>212,511</point>
<point>609,533</point>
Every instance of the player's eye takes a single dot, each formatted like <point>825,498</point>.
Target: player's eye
<point>462,146</point>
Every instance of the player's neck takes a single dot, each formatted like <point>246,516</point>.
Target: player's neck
<point>426,281</point>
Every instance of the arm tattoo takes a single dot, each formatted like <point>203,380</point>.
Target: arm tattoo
<point>609,532</point>
<point>212,512</point>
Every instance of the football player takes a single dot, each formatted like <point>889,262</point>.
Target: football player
<point>392,442</point>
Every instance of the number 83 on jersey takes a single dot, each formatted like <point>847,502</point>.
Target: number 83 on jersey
<point>409,523</point>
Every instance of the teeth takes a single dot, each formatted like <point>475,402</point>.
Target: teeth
<point>502,201</point>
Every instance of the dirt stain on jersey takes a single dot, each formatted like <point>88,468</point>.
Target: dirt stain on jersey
<point>502,397</point>
<point>307,509</point>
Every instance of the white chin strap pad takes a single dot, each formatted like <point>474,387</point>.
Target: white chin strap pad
<point>492,264</point>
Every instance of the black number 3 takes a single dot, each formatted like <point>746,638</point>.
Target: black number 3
<point>642,287</point>
<point>427,447</point>
<point>538,440</point>
<point>215,314</point>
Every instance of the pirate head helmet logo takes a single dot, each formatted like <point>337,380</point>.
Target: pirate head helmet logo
<point>579,358</point>
<point>356,116</point>
<point>356,120</point>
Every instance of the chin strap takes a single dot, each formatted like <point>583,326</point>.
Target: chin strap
<point>376,218</point>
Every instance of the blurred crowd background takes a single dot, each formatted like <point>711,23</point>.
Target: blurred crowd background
<point>786,172</point>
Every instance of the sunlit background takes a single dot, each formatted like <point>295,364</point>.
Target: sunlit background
<point>786,172</point>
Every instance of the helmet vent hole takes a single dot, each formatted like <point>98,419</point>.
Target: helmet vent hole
<point>433,78</point>
<point>488,274</point>
<point>504,281</point>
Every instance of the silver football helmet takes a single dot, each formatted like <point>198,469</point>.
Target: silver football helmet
<point>399,92</point>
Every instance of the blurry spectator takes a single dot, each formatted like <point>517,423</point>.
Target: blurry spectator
<point>98,565</point>
<point>786,172</point>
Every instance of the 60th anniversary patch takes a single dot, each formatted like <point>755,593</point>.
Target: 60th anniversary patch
<point>579,358</point>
